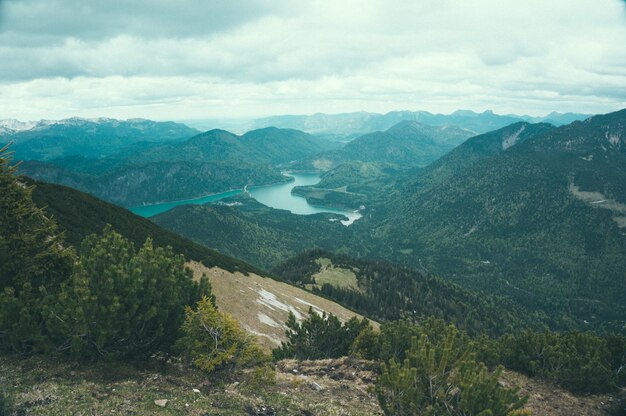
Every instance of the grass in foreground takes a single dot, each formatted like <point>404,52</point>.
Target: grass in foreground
<point>41,386</point>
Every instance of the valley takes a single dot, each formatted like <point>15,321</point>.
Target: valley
<point>292,208</point>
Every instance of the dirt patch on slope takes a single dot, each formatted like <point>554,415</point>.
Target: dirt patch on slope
<point>547,399</point>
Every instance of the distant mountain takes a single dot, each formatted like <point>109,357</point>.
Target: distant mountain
<point>367,164</point>
<point>406,144</point>
<point>145,172</point>
<point>558,119</point>
<point>530,211</point>
<point>350,125</point>
<point>269,146</point>
<point>479,147</point>
<point>46,140</point>
<point>129,184</point>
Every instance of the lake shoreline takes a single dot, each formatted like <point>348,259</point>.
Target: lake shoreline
<point>195,198</point>
<point>277,195</point>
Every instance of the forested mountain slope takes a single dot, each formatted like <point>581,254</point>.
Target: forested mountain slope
<point>406,144</point>
<point>255,233</point>
<point>385,291</point>
<point>543,220</point>
<point>79,214</point>
<point>532,212</point>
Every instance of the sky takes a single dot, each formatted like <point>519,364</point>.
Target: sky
<point>212,59</point>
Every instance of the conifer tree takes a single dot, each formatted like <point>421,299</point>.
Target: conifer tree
<point>214,340</point>
<point>443,378</point>
<point>34,262</point>
<point>319,336</point>
<point>121,302</point>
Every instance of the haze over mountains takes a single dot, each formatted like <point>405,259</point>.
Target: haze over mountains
<point>349,125</point>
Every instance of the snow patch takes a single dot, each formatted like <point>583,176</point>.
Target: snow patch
<point>269,299</point>
<point>512,139</point>
<point>16,125</point>
<point>304,302</point>
<point>614,139</point>
<point>271,338</point>
<point>264,319</point>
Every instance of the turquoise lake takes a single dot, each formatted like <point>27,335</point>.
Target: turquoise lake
<point>276,196</point>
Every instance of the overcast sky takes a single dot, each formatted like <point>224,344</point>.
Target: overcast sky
<point>235,58</point>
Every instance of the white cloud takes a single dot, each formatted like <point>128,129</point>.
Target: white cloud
<point>179,60</point>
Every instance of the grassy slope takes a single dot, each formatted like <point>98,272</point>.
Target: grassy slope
<point>261,305</point>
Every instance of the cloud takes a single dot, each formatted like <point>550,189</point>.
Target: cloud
<point>239,58</point>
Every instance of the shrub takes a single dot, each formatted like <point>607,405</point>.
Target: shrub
<point>319,336</point>
<point>213,340</point>
<point>443,377</point>
<point>122,303</point>
<point>578,361</point>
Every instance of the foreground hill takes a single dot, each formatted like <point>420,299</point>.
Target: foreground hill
<point>541,219</point>
<point>211,162</point>
<point>324,387</point>
<point>236,284</point>
<point>80,214</point>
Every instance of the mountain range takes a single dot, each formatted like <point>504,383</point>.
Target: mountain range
<point>92,138</point>
<point>350,125</point>
<point>405,144</point>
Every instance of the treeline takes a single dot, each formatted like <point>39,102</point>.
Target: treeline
<point>390,292</point>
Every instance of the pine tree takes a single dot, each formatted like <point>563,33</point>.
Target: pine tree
<point>442,377</point>
<point>214,340</point>
<point>319,336</point>
<point>121,302</point>
<point>34,262</point>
